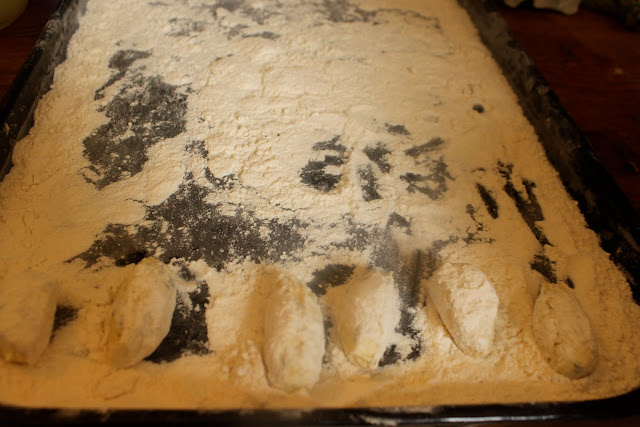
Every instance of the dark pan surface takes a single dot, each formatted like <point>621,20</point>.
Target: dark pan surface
<point>606,209</point>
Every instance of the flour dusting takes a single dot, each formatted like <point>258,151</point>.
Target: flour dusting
<point>240,142</point>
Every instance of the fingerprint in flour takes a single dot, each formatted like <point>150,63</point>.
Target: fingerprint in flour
<point>183,27</point>
<point>530,210</point>
<point>318,173</point>
<point>433,180</point>
<point>429,177</point>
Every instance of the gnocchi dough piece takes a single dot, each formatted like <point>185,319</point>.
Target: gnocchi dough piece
<point>467,303</point>
<point>27,311</point>
<point>141,314</point>
<point>293,336</point>
<point>563,333</point>
<point>367,318</point>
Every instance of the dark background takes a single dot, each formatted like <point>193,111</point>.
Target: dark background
<point>591,61</point>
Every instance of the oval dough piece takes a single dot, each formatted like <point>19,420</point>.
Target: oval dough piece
<point>141,313</point>
<point>467,304</point>
<point>293,337</point>
<point>367,317</point>
<point>563,333</point>
<point>27,311</point>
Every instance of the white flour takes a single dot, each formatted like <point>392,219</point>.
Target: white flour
<point>312,138</point>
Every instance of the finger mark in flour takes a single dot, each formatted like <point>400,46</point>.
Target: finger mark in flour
<point>368,183</point>
<point>421,152</point>
<point>431,178</point>
<point>315,173</point>
<point>526,203</point>
<point>378,154</point>
<point>543,265</point>
<point>489,200</point>
<point>396,129</point>
<point>184,27</point>
<point>331,275</point>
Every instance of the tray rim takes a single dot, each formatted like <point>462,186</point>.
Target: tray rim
<point>10,102</point>
<point>620,406</point>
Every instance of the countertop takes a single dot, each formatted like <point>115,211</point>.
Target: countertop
<point>591,61</point>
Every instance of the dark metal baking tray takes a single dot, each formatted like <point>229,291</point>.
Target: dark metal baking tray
<point>604,206</point>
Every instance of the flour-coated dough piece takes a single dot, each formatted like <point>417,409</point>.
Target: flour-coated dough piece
<point>141,313</point>
<point>27,311</point>
<point>293,336</point>
<point>367,318</point>
<point>467,304</point>
<point>563,332</point>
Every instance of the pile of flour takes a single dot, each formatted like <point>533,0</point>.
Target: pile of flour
<point>237,140</point>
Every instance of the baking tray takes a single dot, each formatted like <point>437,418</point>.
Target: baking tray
<point>603,204</point>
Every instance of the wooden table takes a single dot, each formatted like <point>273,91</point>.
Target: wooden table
<point>593,65</point>
<point>591,62</point>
